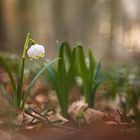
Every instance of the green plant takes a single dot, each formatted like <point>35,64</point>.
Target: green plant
<point>130,92</point>
<point>125,84</point>
<point>72,64</point>
<point>90,73</point>
<point>63,76</point>
<point>19,97</point>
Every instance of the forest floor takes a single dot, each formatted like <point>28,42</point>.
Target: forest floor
<point>41,124</point>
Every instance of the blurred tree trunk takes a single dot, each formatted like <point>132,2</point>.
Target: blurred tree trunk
<point>25,15</point>
<point>110,48</point>
<point>83,20</point>
<point>110,52</point>
<point>45,31</point>
<point>2,33</point>
<point>73,19</point>
<point>59,19</point>
<point>90,17</point>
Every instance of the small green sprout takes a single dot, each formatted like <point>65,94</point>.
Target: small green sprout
<point>80,117</point>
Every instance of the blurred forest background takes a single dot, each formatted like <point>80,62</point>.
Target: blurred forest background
<point>111,27</point>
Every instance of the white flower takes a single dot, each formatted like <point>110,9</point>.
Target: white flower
<point>36,51</point>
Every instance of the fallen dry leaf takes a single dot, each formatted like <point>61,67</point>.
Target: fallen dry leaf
<point>112,123</point>
<point>92,115</point>
<point>75,108</point>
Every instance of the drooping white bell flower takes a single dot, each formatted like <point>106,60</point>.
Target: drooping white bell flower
<point>36,51</point>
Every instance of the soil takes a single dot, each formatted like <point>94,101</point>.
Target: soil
<point>38,125</point>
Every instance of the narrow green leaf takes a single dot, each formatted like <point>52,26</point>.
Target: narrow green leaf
<point>34,80</point>
<point>91,101</point>
<point>62,86</point>
<point>91,68</point>
<point>82,70</point>
<point>61,63</point>
<point>58,44</point>
<point>7,96</point>
<point>81,65</point>
<point>102,78</point>
<point>6,68</point>
<point>52,75</point>
<point>72,69</point>
<point>67,53</point>
<point>97,70</point>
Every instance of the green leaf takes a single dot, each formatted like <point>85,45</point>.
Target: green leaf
<point>64,75</point>
<point>58,44</point>
<point>52,75</point>
<point>67,53</point>
<point>6,68</point>
<point>91,68</point>
<point>7,96</point>
<point>97,70</point>
<point>61,74</point>
<point>81,65</point>
<point>34,80</point>
<point>62,86</point>
<point>72,69</point>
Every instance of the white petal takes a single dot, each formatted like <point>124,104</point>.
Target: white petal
<point>36,51</point>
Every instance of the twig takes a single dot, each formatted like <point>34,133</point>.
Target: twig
<point>34,117</point>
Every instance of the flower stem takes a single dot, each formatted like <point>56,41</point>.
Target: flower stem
<point>18,96</point>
